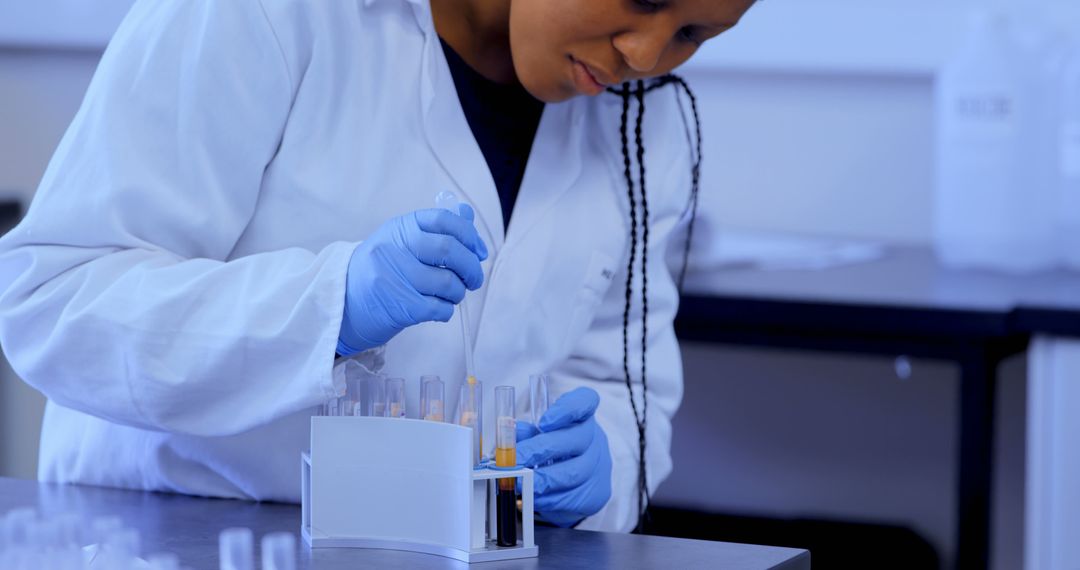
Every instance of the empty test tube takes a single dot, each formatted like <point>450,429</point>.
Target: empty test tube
<point>102,527</point>
<point>236,548</point>
<point>279,551</point>
<point>69,530</point>
<point>538,397</point>
<point>163,561</point>
<point>121,547</point>
<point>395,397</point>
<point>505,456</point>
<point>431,398</point>
<point>19,527</point>
<point>470,414</point>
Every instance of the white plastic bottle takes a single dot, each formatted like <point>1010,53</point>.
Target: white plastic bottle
<point>994,201</point>
<point>1069,159</point>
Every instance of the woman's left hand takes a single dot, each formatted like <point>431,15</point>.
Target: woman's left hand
<point>570,456</point>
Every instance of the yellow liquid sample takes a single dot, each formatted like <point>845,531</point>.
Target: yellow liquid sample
<point>506,457</point>
<point>435,412</point>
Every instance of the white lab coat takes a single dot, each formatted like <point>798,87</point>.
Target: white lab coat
<point>176,287</point>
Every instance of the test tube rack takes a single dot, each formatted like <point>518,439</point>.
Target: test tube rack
<point>404,484</point>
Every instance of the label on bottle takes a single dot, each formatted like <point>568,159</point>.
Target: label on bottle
<point>983,114</point>
<point>1070,149</point>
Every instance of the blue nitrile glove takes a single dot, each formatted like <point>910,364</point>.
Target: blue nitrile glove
<point>570,456</point>
<point>413,269</point>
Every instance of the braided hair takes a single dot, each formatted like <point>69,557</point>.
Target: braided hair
<point>637,91</point>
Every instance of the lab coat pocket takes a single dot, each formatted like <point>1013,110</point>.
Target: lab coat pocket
<point>598,276</point>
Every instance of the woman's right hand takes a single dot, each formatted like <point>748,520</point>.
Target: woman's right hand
<point>413,269</point>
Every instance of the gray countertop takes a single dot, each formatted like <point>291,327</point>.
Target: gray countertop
<point>906,279</point>
<point>905,276</point>
<point>189,527</point>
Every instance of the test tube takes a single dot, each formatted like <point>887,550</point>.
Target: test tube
<point>236,549</point>
<point>376,403</point>
<point>431,398</point>
<point>122,547</point>
<point>538,397</point>
<point>69,530</point>
<point>354,379</point>
<point>19,525</point>
<point>163,561</point>
<point>395,397</point>
<point>102,527</point>
<point>470,414</point>
<point>505,456</point>
<point>279,551</point>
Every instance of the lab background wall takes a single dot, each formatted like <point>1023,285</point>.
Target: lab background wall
<point>817,120</point>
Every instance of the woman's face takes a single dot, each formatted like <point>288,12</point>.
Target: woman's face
<point>565,48</point>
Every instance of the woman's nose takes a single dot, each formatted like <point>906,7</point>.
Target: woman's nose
<point>642,49</point>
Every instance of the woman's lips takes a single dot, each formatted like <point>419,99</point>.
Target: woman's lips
<point>585,81</point>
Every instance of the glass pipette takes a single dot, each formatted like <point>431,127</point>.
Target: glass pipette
<point>446,200</point>
<point>538,397</point>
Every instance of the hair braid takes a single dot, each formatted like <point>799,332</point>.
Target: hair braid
<point>643,482</point>
<point>638,93</point>
<point>625,93</point>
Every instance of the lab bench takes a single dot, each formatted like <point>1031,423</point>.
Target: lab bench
<point>189,527</point>
<point>903,304</point>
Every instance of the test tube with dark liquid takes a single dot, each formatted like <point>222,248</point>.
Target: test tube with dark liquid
<point>505,456</point>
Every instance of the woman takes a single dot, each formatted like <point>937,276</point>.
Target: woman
<point>246,194</point>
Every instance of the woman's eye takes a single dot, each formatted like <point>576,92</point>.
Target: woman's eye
<point>689,34</point>
<point>649,5</point>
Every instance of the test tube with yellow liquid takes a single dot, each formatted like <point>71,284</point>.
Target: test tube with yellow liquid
<point>395,398</point>
<point>505,456</point>
<point>431,398</point>
<point>469,414</point>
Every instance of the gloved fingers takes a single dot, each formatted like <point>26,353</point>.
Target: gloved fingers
<point>556,445</point>
<point>568,474</point>
<point>467,212</point>
<point>572,407</point>
<point>445,222</point>
<point>525,430</point>
<point>439,250</point>
<point>430,309</point>
<point>435,282</point>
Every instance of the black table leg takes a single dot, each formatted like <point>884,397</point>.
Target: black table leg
<point>978,381</point>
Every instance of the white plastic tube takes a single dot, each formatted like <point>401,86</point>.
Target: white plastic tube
<point>279,551</point>
<point>236,549</point>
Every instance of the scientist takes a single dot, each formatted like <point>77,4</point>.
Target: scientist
<point>247,193</point>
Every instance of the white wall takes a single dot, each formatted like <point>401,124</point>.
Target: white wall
<point>40,90</point>
<point>844,155</point>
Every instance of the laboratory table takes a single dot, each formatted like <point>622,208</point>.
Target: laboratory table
<point>189,527</point>
<point>903,304</point>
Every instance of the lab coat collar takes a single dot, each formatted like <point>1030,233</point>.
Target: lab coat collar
<point>451,139</point>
